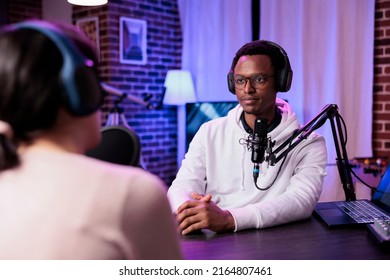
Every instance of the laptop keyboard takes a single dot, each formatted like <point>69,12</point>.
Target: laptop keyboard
<point>362,211</point>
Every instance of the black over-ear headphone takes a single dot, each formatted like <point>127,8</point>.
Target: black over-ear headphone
<point>83,93</point>
<point>283,76</point>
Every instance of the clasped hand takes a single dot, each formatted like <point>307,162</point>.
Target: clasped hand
<point>203,213</point>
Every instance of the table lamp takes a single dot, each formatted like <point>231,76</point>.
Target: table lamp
<point>88,2</point>
<point>179,91</point>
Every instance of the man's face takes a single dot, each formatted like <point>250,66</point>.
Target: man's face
<point>255,85</point>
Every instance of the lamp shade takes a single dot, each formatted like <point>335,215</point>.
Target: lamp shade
<point>88,2</point>
<point>179,88</point>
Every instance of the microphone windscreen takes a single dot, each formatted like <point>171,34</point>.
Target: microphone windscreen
<point>259,140</point>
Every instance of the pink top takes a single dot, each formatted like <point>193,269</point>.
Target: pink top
<point>59,205</point>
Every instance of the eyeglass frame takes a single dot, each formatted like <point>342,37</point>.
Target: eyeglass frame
<point>253,83</point>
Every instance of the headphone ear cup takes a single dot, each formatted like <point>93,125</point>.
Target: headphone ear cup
<point>230,81</point>
<point>88,93</point>
<point>284,78</point>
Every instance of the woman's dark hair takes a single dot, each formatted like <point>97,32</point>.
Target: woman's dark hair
<point>31,91</point>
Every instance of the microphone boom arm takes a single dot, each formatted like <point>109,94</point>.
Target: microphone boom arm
<point>330,112</point>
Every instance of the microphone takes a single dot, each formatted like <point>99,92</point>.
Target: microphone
<point>259,145</point>
<point>259,140</point>
<point>114,91</point>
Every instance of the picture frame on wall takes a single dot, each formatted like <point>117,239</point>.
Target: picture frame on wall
<point>90,26</point>
<point>132,44</point>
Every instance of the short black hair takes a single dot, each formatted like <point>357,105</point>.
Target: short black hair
<point>262,47</point>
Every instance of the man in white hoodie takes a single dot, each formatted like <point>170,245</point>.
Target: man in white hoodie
<point>215,188</point>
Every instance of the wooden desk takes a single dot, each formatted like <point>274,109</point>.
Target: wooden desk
<point>305,240</point>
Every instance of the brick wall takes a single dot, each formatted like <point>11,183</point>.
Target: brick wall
<point>381,110</point>
<point>156,128</point>
<point>18,10</point>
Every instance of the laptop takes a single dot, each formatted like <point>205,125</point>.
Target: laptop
<point>344,213</point>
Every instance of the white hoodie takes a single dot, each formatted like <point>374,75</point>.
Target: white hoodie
<point>217,164</point>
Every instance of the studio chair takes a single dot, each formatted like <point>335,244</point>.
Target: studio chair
<point>120,144</point>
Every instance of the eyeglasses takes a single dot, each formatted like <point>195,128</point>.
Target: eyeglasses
<point>257,81</point>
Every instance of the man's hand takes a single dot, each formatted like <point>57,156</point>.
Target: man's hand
<point>201,197</point>
<point>202,213</point>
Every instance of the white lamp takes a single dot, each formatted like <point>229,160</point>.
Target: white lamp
<point>179,91</point>
<point>88,2</point>
<point>179,88</point>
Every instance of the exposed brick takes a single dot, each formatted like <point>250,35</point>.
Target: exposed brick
<point>381,90</point>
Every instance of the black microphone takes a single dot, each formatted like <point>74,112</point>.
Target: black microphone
<point>259,140</point>
<point>259,145</point>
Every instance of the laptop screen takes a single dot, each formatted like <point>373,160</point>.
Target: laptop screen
<point>381,196</point>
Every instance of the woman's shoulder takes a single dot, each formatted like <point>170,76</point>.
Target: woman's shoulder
<point>112,172</point>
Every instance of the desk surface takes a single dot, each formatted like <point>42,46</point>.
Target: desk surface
<point>305,240</point>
